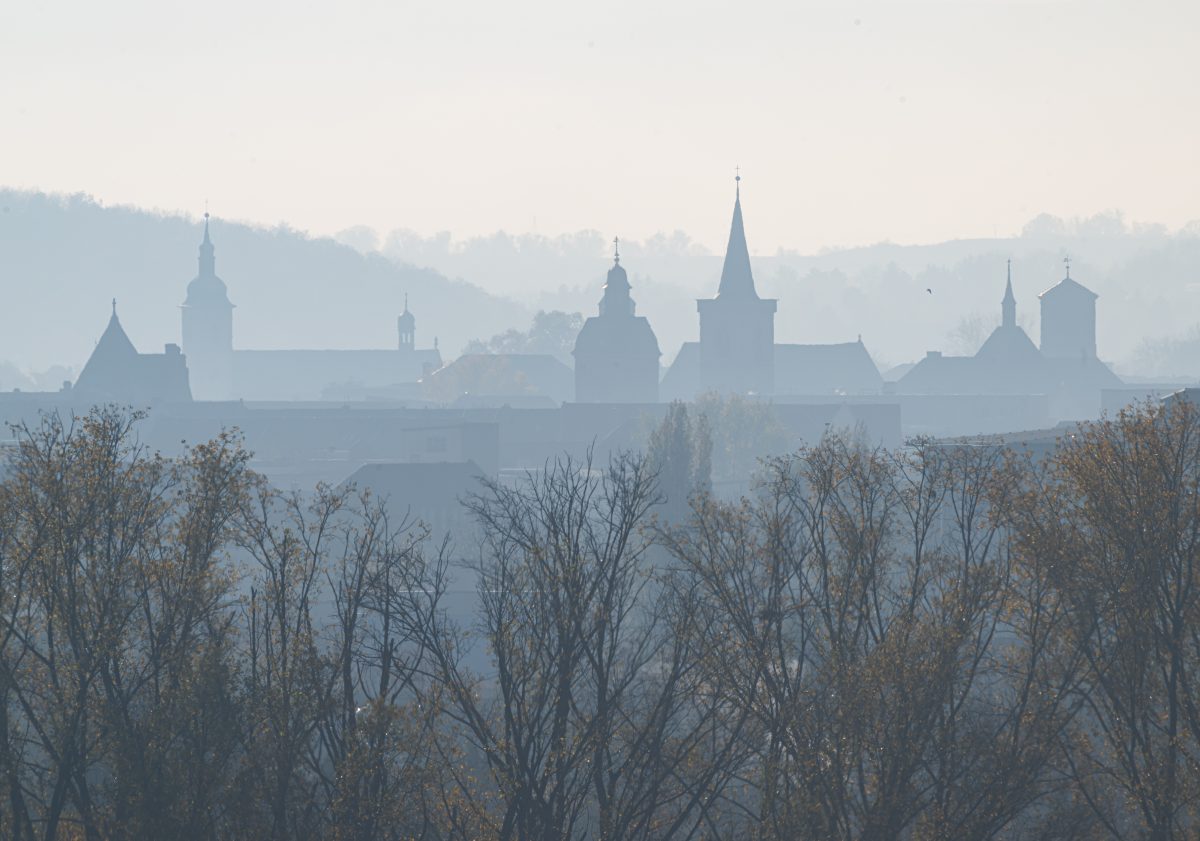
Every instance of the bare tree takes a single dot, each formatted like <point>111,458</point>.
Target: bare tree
<point>592,722</point>
<point>1115,522</point>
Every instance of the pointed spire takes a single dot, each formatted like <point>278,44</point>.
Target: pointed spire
<point>737,281</point>
<point>208,260</point>
<point>1008,307</point>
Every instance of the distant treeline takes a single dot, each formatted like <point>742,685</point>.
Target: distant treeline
<point>940,642</point>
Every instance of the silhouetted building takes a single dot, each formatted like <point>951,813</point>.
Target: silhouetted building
<point>1069,320</point>
<point>737,351</point>
<point>223,373</point>
<point>844,368</point>
<point>1008,363</point>
<point>207,318</point>
<point>616,352</point>
<point>483,380</point>
<point>737,328</point>
<point>116,372</point>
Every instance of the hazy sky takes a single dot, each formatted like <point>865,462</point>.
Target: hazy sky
<point>853,122</point>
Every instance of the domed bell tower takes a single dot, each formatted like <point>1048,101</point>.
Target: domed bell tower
<point>207,317</point>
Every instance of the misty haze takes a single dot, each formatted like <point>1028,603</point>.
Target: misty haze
<point>470,421</point>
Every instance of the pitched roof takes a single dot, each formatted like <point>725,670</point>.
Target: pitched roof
<point>1069,286</point>
<point>844,368</point>
<point>1011,344</point>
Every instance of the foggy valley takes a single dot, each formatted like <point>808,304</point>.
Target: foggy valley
<point>663,421</point>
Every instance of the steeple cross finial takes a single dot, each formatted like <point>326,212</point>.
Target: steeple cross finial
<point>1067,262</point>
<point>114,306</point>
<point>616,249</point>
<point>737,173</point>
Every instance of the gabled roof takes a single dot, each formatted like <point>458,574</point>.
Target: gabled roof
<point>500,374</point>
<point>844,368</point>
<point>1011,344</point>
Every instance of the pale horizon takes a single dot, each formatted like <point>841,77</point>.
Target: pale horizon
<point>882,122</point>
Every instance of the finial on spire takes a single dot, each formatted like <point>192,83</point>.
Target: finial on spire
<point>737,178</point>
<point>1067,262</point>
<point>1010,270</point>
<point>114,307</point>
<point>616,250</point>
<point>406,302</point>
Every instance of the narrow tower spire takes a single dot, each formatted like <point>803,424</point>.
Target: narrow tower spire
<point>208,260</point>
<point>737,281</point>
<point>1008,307</point>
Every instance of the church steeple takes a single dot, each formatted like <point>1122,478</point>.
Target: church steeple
<point>737,281</point>
<point>616,300</point>
<point>406,327</point>
<point>208,259</point>
<point>1008,307</point>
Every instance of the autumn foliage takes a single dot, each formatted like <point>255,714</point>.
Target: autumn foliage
<point>946,641</point>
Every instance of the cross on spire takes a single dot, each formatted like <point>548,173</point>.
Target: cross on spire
<point>114,306</point>
<point>1067,262</point>
<point>616,250</point>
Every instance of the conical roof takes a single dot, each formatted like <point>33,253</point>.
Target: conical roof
<point>113,355</point>
<point>737,281</point>
<point>114,342</point>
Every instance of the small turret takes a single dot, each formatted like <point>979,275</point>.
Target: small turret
<point>406,328</point>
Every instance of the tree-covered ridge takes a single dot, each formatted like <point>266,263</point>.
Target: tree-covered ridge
<point>66,257</point>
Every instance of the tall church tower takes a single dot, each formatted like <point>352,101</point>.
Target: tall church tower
<point>737,328</point>
<point>1069,319</point>
<point>616,352</point>
<point>208,329</point>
